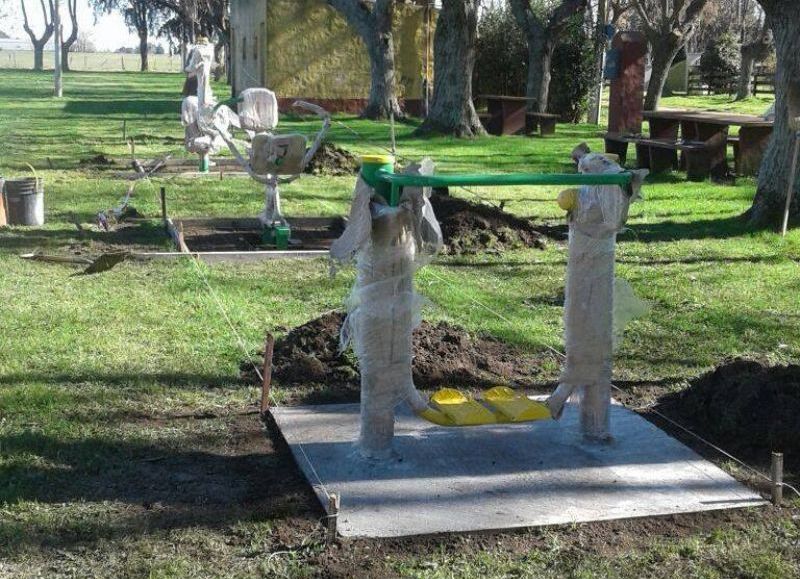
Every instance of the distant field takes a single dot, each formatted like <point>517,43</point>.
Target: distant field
<point>92,61</point>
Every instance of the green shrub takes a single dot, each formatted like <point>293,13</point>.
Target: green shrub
<point>719,63</point>
<point>502,54</point>
<point>572,73</point>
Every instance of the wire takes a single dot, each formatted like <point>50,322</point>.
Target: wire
<point>494,312</point>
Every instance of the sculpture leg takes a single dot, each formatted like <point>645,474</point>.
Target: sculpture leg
<point>383,323</point>
<point>272,205</point>
<point>594,404</point>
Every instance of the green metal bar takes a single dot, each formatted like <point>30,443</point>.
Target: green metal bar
<point>399,180</point>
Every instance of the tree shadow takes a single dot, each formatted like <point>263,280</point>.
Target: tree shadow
<point>151,486</point>
<point>137,107</point>
<point>662,231</point>
<point>130,235</point>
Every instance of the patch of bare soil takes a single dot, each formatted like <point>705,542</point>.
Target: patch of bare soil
<point>470,228</point>
<point>747,407</point>
<point>308,361</point>
<point>332,161</point>
<point>99,160</point>
<point>225,234</point>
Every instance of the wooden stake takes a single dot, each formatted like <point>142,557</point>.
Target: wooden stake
<point>266,373</point>
<point>777,478</point>
<point>790,190</point>
<point>333,516</point>
<point>164,209</point>
<point>124,130</point>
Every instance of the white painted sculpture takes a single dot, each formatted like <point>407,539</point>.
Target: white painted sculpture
<point>597,214</point>
<point>197,111</point>
<point>269,159</point>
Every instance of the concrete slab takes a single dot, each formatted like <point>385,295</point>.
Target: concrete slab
<point>501,476</point>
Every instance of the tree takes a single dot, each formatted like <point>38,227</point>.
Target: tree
<point>373,24</point>
<point>452,111</point>
<point>140,16</point>
<point>668,25</point>
<point>39,42</point>
<point>543,21</point>
<point>66,44</point>
<point>773,178</point>
<point>753,50</point>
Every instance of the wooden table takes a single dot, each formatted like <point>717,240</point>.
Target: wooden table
<point>754,132</point>
<point>506,114</point>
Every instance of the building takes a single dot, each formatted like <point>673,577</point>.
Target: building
<point>305,49</point>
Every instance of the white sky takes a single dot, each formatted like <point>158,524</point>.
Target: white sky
<point>108,33</point>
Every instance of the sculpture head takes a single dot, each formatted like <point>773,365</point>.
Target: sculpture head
<point>603,210</point>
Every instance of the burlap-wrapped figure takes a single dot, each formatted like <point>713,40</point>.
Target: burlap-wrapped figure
<point>388,244</point>
<point>597,214</point>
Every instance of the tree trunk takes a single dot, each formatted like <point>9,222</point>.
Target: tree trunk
<point>663,55</point>
<point>382,94</point>
<point>745,89</point>
<point>452,111</point>
<point>374,26</point>
<point>66,45</point>
<point>773,177</point>
<point>540,56</point>
<point>596,93</point>
<point>144,51</point>
<point>38,56</point>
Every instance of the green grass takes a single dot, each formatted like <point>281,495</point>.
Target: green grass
<point>93,370</point>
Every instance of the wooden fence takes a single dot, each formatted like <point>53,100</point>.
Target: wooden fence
<point>763,83</point>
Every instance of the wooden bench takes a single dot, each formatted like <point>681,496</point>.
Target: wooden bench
<point>701,158</point>
<point>545,123</point>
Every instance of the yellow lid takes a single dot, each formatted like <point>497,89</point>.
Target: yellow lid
<point>380,159</point>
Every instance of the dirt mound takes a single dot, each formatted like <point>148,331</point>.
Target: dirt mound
<point>747,407</point>
<point>470,228</point>
<point>99,160</point>
<point>444,355</point>
<point>333,161</point>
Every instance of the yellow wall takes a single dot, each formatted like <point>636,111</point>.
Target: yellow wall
<point>311,52</point>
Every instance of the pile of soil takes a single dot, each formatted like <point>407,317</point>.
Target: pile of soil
<point>444,355</point>
<point>332,161</point>
<point>99,160</point>
<point>470,228</point>
<point>747,407</point>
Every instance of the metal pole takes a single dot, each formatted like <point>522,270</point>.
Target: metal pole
<point>164,209</point>
<point>777,478</point>
<point>57,49</point>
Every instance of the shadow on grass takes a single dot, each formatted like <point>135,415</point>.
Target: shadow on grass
<point>182,380</point>
<point>131,235</point>
<point>147,487</point>
<point>139,107</point>
<point>700,229</point>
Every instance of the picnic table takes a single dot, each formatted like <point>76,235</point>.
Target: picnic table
<point>509,115</point>
<point>702,138</point>
<point>749,146</point>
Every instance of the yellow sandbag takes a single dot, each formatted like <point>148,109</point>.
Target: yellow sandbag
<point>515,407</point>
<point>462,410</point>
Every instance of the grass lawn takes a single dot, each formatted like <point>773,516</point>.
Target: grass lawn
<point>129,446</point>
